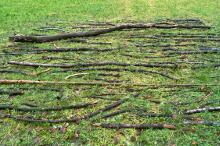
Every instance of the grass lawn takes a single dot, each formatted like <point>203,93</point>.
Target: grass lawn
<point>27,16</point>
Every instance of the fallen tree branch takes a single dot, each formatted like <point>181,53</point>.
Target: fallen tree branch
<point>42,39</point>
<point>135,126</point>
<point>91,64</point>
<point>46,109</point>
<point>199,110</point>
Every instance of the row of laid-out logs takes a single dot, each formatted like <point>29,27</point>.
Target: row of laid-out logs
<point>101,66</point>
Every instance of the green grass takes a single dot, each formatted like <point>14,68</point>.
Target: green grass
<point>22,17</point>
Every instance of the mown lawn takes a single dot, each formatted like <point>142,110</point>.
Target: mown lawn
<point>24,17</point>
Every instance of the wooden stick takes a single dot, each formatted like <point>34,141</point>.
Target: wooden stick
<point>46,109</point>
<point>135,126</point>
<point>42,39</point>
<point>199,110</point>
